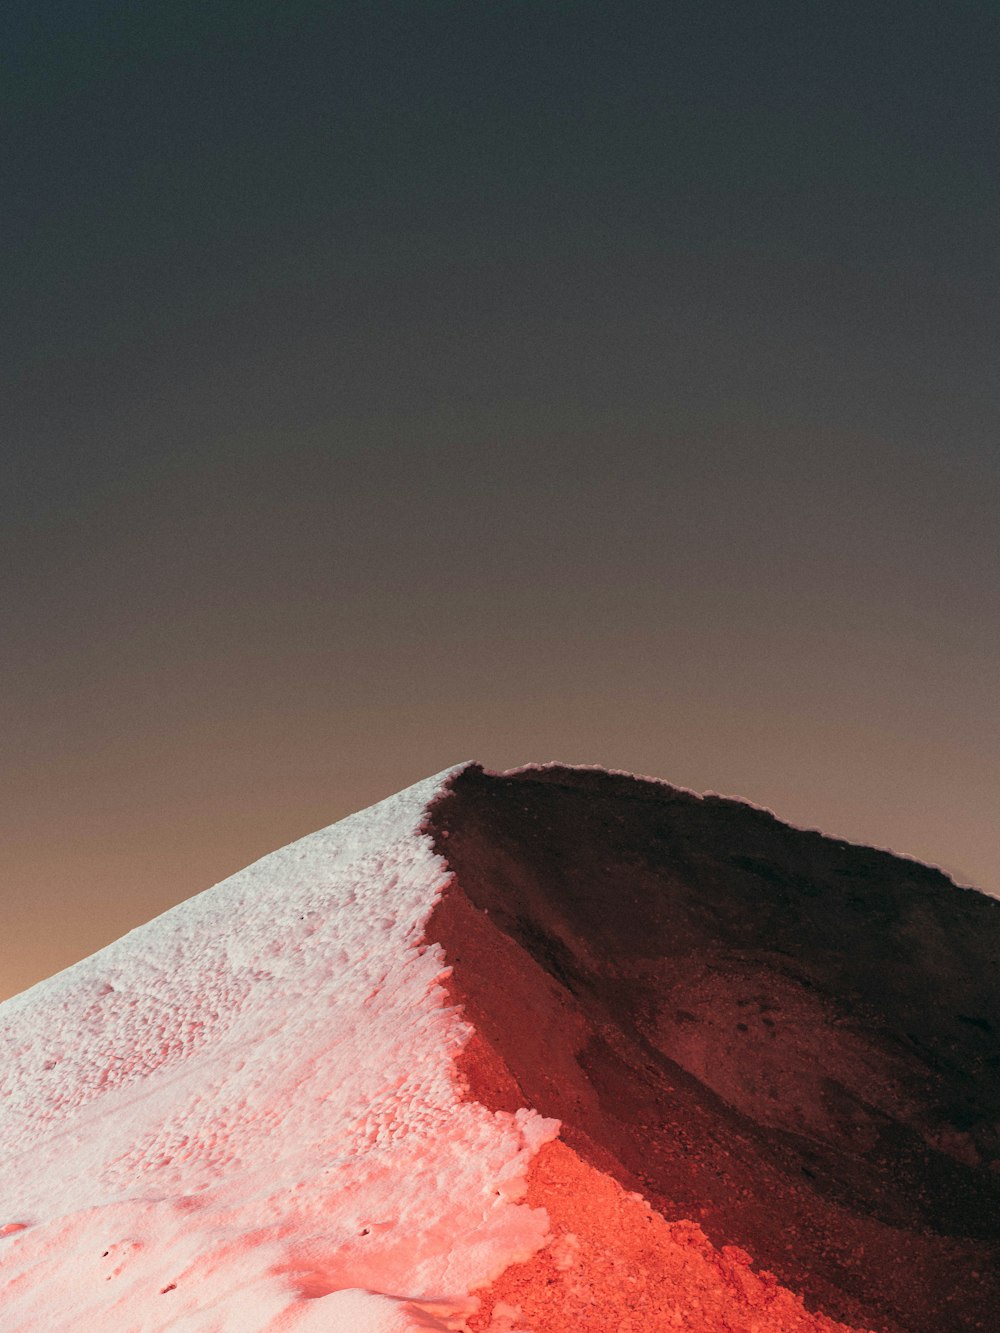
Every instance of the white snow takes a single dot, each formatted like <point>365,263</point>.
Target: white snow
<point>243,1115</point>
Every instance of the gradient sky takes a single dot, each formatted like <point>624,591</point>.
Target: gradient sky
<point>391,384</point>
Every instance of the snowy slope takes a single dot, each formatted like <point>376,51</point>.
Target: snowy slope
<point>244,1116</point>
<point>324,1095</point>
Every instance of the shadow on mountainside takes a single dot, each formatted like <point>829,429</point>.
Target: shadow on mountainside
<point>792,1040</point>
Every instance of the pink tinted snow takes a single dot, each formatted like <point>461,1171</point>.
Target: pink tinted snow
<point>244,1114</point>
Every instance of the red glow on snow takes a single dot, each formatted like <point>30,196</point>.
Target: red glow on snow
<point>768,1057</point>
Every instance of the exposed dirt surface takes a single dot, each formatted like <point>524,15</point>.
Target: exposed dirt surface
<point>791,1041</point>
<point>614,1265</point>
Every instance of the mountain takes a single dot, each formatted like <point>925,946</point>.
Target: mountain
<point>557,1049</point>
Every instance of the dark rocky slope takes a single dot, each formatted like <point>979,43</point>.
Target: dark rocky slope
<point>792,1040</point>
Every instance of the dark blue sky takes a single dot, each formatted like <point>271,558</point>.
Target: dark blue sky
<point>391,384</point>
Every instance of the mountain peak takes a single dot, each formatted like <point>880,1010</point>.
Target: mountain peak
<point>327,1092</point>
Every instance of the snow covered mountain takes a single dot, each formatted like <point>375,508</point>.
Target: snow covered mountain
<point>552,1050</point>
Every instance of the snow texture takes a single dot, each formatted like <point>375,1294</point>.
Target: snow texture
<point>244,1115</point>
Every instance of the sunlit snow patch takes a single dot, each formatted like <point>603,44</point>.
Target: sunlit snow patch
<point>243,1115</point>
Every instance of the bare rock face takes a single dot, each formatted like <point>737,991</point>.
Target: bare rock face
<point>791,1040</point>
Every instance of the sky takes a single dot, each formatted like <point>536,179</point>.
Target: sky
<point>391,384</point>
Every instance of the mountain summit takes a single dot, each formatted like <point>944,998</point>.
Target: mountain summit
<point>557,1049</point>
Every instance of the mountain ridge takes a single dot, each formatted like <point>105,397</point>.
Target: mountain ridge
<point>558,1049</point>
